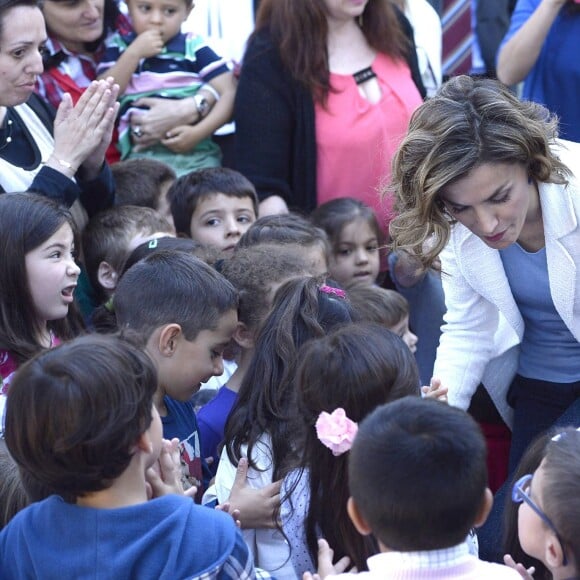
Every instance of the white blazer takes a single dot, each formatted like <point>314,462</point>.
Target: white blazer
<point>483,326</point>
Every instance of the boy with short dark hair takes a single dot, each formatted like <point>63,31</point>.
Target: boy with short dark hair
<point>110,237</point>
<point>256,273</point>
<point>144,182</point>
<point>213,206</point>
<point>418,482</point>
<point>81,421</point>
<point>185,315</point>
<point>385,307</point>
<point>296,232</point>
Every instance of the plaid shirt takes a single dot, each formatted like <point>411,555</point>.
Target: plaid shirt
<point>238,566</point>
<point>75,72</point>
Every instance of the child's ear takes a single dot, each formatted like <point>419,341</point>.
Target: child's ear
<point>144,443</point>
<point>484,508</point>
<point>168,339</point>
<point>107,276</point>
<point>553,555</point>
<point>357,519</point>
<point>243,336</point>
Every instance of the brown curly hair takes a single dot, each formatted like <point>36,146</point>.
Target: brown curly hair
<point>468,123</point>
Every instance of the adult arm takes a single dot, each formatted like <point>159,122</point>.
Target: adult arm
<point>162,115</point>
<point>467,339</point>
<point>93,184</point>
<point>95,194</point>
<point>265,115</point>
<point>529,27</point>
<point>183,138</point>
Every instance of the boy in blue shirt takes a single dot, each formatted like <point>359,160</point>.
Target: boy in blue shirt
<point>81,422</point>
<point>185,314</point>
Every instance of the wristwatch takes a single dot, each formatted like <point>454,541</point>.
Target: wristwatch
<point>202,105</point>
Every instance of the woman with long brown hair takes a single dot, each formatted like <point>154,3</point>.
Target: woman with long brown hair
<point>326,91</point>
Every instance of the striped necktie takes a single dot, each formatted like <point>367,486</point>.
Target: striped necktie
<point>457,37</point>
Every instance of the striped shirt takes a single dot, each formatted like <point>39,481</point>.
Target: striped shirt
<point>185,63</point>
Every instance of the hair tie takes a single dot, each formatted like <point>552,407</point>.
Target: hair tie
<point>333,291</point>
<point>336,431</point>
<point>109,305</point>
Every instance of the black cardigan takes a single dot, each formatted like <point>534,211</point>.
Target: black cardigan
<point>275,126</point>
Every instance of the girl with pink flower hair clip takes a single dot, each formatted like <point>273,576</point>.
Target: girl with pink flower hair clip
<point>340,379</point>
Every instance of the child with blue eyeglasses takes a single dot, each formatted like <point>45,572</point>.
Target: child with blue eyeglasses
<point>549,514</point>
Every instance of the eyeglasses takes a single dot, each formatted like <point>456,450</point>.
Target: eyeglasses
<point>520,493</point>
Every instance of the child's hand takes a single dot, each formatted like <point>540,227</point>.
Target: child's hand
<point>325,565</point>
<point>148,43</point>
<point>165,477</point>
<point>435,390</point>
<point>182,139</point>
<point>256,506</point>
<point>520,568</point>
<point>227,509</point>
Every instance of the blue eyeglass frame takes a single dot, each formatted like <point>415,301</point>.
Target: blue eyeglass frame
<point>519,495</point>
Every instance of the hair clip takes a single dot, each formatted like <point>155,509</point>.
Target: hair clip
<point>331,290</point>
<point>336,431</point>
<point>153,243</point>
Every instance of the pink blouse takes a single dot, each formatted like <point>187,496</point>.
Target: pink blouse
<point>356,140</point>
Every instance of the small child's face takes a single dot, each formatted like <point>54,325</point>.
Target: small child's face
<point>52,275</point>
<point>402,330</point>
<point>166,16</point>
<point>532,531</point>
<point>196,361</point>
<point>220,220</point>
<point>355,259</point>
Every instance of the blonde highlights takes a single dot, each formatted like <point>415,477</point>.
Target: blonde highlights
<point>468,123</point>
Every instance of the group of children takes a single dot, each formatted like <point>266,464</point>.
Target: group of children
<point>320,406</point>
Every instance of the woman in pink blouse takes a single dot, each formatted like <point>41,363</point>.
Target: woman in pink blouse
<point>326,91</point>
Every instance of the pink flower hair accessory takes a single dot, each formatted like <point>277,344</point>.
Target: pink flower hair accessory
<point>333,291</point>
<point>336,431</point>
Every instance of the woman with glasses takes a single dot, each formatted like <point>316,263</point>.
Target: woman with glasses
<point>483,181</point>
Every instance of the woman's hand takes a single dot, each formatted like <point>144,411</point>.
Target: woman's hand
<point>159,117</point>
<point>435,390</point>
<point>83,132</point>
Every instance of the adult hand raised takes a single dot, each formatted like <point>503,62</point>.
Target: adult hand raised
<point>83,132</point>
